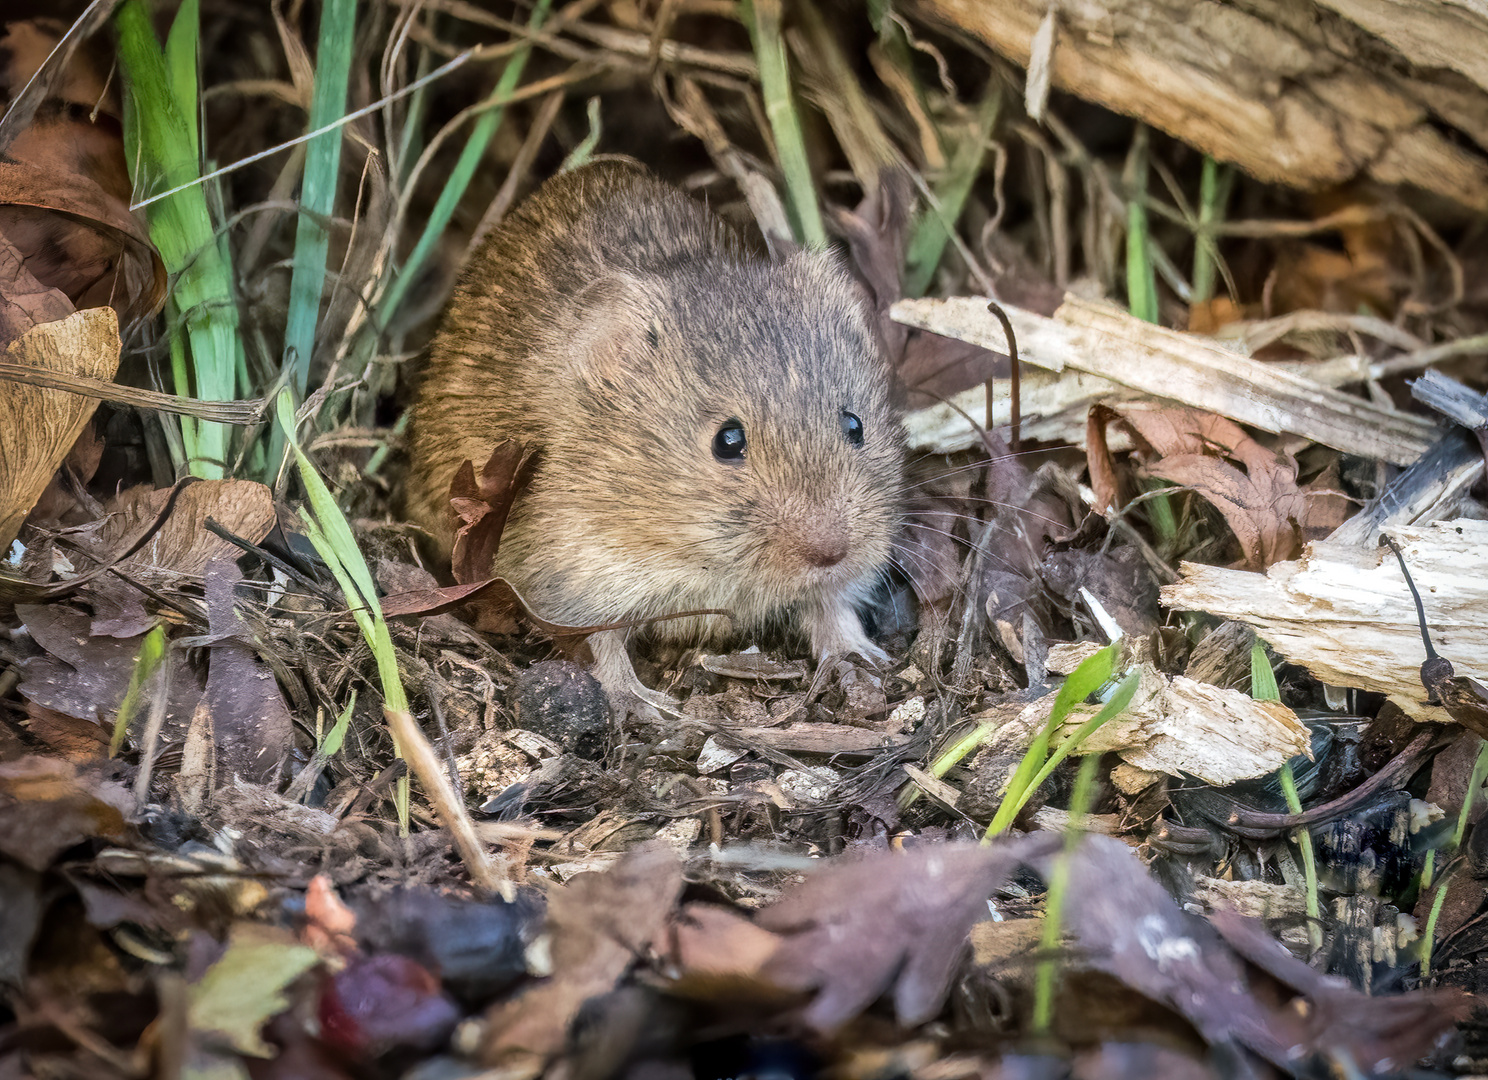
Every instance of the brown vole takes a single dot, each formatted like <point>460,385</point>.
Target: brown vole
<point>714,428</point>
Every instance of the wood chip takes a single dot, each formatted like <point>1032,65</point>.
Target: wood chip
<point>1344,611</point>
<point>1100,340</point>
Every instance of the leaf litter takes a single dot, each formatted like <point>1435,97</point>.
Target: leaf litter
<point>757,885</point>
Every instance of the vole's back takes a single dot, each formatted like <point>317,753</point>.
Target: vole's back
<point>480,383</point>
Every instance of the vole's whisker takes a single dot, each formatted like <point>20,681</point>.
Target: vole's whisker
<point>967,544</point>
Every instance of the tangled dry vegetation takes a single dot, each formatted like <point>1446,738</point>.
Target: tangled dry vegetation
<point>277,799</point>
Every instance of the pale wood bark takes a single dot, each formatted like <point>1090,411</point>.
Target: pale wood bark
<point>1309,93</point>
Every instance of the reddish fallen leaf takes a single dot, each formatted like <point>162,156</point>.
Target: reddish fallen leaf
<point>890,922</point>
<point>599,925</point>
<point>1253,487</point>
<point>481,507</point>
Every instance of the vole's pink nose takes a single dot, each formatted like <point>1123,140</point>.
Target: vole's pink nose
<point>822,543</point>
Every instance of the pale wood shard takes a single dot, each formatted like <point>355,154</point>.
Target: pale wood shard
<point>1101,341</point>
<point>1344,612</point>
<point>1308,93</point>
<point>1177,726</point>
<point>812,738</point>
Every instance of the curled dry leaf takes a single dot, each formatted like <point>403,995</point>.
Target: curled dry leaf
<point>1253,487</point>
<point>1129,926</point>
<point>64,184</point>
<point>183,545</point>
<point>39,426</point>
<point>482,504</point>
<point>599,924</point>
<point>892,921</point>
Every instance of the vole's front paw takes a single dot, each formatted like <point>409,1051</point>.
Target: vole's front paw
<point>836,631</point>
<point>645,705</point>
<point>628,696</point>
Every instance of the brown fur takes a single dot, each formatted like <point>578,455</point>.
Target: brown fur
<point>615,324</point>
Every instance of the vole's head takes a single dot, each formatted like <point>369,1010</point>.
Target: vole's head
<point>729,438</point>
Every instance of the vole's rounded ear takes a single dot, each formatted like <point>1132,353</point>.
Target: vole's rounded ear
<point>611,319</point>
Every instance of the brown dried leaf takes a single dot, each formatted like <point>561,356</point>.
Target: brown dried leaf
<point>183,546</point>
<point>891,920</point>
<point>1130,927</point>
<point>1253,487</point>
<point>38,426</point>
<point>599,925</point>
<point>64,184</point>
<point>481,507</point>
<point>48,806</point>
<point>251,726</point>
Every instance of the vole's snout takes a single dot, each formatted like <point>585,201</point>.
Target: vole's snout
<point>819,541</point>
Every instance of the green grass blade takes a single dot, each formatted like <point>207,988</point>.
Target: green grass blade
<point>1474,789</point>
<point>764,18</point>
<point>1263,688</point>
<point>328,532</point>
<point>151,655</point>
<point>182,46</point>
<point>1085,680</point>
<point>318,191</point>
<point>933,231</point>
<point>581,154</point>
<point>1059,877</point>
<point>1215,183</point>
<point>470,159</point>
<point>164,154</point>
<point>1141,277</point>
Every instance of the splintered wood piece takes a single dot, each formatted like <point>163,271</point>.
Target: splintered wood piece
<point>1291,92</point>
<point>1344,612</point>
<point>1464,697</point>
<point>1187,368</point>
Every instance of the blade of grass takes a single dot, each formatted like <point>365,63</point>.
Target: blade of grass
<point>151,653</point>
<point>933,230</point>
<point>1474,787</point>
<point>585,150</point>
<point>764,18</point>
<point>1089,677</point>
<point>1141,278</point>
<point>1215,183</point>
<point>470,158</point>
<point>165,152</point>
<point>1052,929</point>
<point>1263,688</point>
<point>328,532</point>
<point>318,190</point>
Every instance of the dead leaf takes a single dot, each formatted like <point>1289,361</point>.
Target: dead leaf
<point>48,805</point>
<point>1253,487</point>
<point>599,925</point>
<point>889,921</point>
<point>64,183</point>
<point>183,546</point>
<point>1127,925</point>
<point>39,426</point>
<point>481,507</point>
<point>251,726</point>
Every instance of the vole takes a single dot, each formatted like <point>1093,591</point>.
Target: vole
<point>714,428</point>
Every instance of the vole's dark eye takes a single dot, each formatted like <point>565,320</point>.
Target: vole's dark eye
<point>852,427</point>
<point>729,443</point>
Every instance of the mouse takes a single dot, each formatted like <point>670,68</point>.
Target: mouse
<point>713,427</point>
